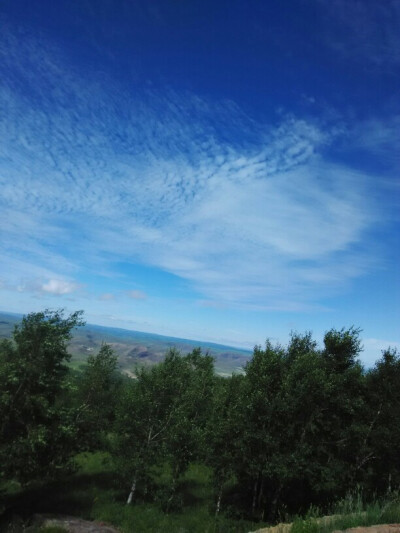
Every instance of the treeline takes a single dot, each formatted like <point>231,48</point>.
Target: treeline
<point>302,425</point>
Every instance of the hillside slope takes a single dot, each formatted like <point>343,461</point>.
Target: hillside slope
<point>135,347</point>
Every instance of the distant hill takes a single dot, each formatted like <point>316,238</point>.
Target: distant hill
<point>136,347</point>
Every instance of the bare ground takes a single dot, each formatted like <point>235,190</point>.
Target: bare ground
<point>383,528</point>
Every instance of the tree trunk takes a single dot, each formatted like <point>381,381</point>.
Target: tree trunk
<point>274,503</point>
<point>132,492</point>
<point>253,505</point>
<point>260,493</point>
<point>174,481</point>
<point>218,502</point>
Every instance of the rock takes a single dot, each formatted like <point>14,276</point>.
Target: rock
<point>72,524</point>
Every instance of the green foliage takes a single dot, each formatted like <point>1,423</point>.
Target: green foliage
<point>97,391</point>
<point>36,434</point>
<point>224,430</point>
<point>161,416</point>
<point>305,424</point>
<point>94,492</point>
<point>302,426</point>
<point>383,443</point>
<point>342,348</point>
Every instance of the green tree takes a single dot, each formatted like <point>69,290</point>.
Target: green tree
<point>161,416</point>
<point>190,379</point>
<point>36,433</point>
<point>382,442</point>
<point>304,392</point>
<point>342,348</point>
<point>263,422</point>
<point>142,418</point>
<point>345,425</point>
<point>224,432</point>
<point>304,422</point>
<point>97,394</point>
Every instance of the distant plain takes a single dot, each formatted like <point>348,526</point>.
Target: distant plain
<point>137,348</point>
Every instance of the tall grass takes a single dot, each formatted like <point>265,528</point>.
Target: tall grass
<point>350,512</point>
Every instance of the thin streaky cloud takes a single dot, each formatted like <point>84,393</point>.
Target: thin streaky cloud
<point>136,295</point>
<point>107,296</point>
<point>249,213</point>
<point>365,31</point>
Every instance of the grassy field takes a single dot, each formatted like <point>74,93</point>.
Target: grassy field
<point>94,492</point>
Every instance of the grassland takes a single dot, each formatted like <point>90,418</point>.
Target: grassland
<point>137,348</point>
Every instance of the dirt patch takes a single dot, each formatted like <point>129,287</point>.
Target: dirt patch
<point>384,528</point>
<point>280,528</point>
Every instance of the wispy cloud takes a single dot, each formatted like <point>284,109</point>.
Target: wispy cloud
<point>381,344</point>
<point>136,295</point>
<point>251,214</point>
<point>366,31</point>
<point>107,296</point>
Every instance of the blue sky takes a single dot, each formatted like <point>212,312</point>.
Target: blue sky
<point>223,171</point>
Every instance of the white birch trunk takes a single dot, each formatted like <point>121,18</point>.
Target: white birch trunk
<point>132,492</point>
<point>218,502</point>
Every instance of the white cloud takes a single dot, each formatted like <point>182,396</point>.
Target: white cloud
<point>379,345</point>
<point>373,349</point>
<point>251,214</point>
<point>380,138</point>
<point>59,286</point>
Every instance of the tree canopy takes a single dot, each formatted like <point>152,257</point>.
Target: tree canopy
<point>302,424</point>
<point>36,434</point>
